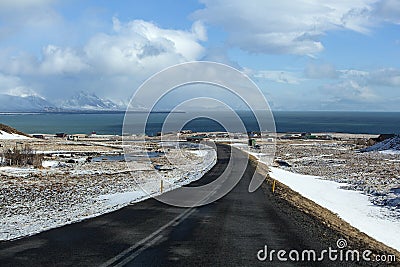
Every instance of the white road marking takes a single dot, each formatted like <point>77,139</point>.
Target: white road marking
<point>147,241</point>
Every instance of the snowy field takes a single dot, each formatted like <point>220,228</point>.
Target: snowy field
<point>351,206</point>
<point>35,200</point>
<point>375,172</point>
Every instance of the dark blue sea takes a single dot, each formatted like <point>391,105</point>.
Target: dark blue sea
<point>286,121</point>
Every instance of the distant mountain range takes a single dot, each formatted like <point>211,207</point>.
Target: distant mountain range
<point>81,101</point>
<point>11,103</point>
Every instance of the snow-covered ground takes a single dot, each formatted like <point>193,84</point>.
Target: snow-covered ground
<point>35,200</point>
<point>390,151</point>
<point>390,146</point>
<point>200,153</point>
<point>149,185</point>
<point>352,206</point>
<point>50,163</point>
<point>120,199</point>
<point>9,136</point>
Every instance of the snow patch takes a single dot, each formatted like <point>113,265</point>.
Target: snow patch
<point>391,144</point>
<point>8,136</point>
<point>50,163</point>
<point>351,206</point>
<point>390,151</point>
<point>199,153</point>
<point>121,199</point>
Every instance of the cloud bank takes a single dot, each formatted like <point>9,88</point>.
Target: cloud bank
<point>293,27</point>
<point>116,61</point>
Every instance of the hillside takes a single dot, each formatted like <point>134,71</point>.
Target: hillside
<point>392,144</point>
<point>7,132</point>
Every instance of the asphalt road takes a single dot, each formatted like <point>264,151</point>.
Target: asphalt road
<point>228,232</point>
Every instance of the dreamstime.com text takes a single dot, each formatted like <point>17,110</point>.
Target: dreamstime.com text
<point>340,253</point>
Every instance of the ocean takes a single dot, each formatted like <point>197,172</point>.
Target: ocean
<point>286,121</point>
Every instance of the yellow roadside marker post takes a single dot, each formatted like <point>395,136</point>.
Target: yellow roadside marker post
<point>273,186</point>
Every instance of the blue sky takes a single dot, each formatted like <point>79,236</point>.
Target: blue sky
<point>304,55</point>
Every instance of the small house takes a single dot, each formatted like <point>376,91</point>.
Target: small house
<point>61,135</point>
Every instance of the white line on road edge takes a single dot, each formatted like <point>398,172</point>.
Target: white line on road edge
<point>146,242</point>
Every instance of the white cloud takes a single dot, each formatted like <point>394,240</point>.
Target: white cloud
<point>8,82</point>
<point>278,76</point>
<point>387,77</point>
<point>13,85</point>
<point>388,10</point>
<point>113,64</point>
<point>286,26</point>
<point>363,90</point>
<point>320,71</point>
<point>381,77</point>
<point>352,73</point>
<point>349,90</point>
<point>199,30</point>
<point>139,45</point>
<point>350,85</point>
<point>57,60</point>
<point>220,55</point>
<point>53,60</point>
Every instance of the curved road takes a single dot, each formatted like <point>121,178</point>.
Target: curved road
<point>228,232</point>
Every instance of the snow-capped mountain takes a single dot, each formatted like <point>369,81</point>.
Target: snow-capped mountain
<point>86,101</point>
<point>31,103</point>
<point>388,144</point>
<point>81,101</point>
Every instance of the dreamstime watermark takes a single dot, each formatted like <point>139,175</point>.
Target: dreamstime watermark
<point>340,253</point>
<point>186,77</point>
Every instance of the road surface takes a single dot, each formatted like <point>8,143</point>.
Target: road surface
<point>228,232</point>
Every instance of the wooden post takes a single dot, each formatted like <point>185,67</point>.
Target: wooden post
<point>161,185</point>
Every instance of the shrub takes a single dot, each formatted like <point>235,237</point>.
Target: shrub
<point>21,157</point>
